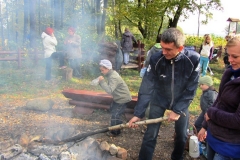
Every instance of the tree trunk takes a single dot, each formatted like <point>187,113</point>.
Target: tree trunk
<point>57,14</point>
<point>16,23</point>
<point>26,18</point>
<point>1,21</point>
<point>62,15</point>
<point>98,13</point>
<point>173,22</point>
<point>32,14</point>
<point>8,28</point>
<point>104,17</point>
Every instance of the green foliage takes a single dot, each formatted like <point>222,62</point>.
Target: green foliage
<point>197,41</point>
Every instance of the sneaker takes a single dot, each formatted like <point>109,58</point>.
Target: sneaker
<point>211,73</point>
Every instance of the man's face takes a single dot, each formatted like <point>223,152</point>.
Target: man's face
<point>103,70</point>
<point>70,32</point>
<point>170,50</point>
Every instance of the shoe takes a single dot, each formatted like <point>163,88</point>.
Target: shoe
<point>110,134</point>
<point>63,67</point>
<point>211,73</point>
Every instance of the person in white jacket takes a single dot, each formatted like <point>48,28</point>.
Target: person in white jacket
<point>49,43</point>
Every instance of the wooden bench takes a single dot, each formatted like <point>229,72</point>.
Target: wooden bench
<point>136,57</point>
<point>12,56</point>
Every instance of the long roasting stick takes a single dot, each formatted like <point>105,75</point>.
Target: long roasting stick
<point>81,136</point>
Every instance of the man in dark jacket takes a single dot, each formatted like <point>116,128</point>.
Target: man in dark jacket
<point>127,44</point>
<point>172,77</point>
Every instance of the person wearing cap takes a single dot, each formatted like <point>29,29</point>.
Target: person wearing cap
<point>118,89</point>
<point>209,95</point>
<point>49,44</point>
<point>221,125</point>
<point>74,53</point>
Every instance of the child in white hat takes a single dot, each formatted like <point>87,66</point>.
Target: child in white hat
<point>116,87</point>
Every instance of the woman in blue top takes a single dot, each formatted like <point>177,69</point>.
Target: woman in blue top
<point>206,51</point>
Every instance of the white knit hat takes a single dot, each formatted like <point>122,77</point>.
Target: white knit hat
<point>106,63</point>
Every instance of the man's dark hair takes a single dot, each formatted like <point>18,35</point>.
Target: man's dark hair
<point>173,35</point>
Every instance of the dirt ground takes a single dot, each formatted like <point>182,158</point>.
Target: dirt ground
<point>15,121</point>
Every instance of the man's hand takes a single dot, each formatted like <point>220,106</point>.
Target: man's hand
<point>202,134</point>
<point>100,78</point>
<point>173,116</point>
<point>131,122</point>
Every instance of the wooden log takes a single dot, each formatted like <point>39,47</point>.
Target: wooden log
<point>94,97</point>
<point>95,105</point>
<point>66,73</point>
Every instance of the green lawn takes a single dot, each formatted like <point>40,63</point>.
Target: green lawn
<point>28,82</point>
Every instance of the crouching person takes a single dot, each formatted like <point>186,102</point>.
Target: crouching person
<point>116,87</point>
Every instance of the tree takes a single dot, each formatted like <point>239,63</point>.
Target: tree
<point>32,20</point>
<point>26,19</point>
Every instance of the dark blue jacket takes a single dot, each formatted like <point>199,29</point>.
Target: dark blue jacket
<point>170,84</point>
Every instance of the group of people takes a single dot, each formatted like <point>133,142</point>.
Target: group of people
<point>73,50</point>
<point>170,83</point>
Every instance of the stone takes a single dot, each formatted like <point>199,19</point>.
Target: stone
<point>43,157</point>
<point>24,140</point>
<point>25,156</point>
<point>5,144</point>
<point>122,153</point>
<point>82,110</point>
<point>11,152</point>
<point>113,149</point>
<point>40,104</point>
<point>104,146</point>
<point>65,156</point>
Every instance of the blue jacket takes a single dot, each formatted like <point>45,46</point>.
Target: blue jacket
<point>170,84</point>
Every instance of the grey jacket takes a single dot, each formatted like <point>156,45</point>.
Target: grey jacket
<point>156,48</point>
<point>207,99</point>
<point>116,87</point>
<point>127,41</point>
<point>73,48</point>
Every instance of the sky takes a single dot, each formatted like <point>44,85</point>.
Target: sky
<point>217,24</point>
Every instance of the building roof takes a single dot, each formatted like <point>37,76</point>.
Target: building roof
<point>233,20</point>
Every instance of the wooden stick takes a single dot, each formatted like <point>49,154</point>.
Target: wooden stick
<point>81,136</point>
<point>149,121</point>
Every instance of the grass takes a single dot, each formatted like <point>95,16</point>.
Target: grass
<point>28,82</point>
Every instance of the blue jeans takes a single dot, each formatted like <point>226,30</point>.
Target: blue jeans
<point>212,155</point>
<point>117,111</point>
<point>48,62</point>
<point>150,136</point>
<point>126,57</point>
<point>75,65</point>
<point>198,122</point>
<point>204,64</point>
